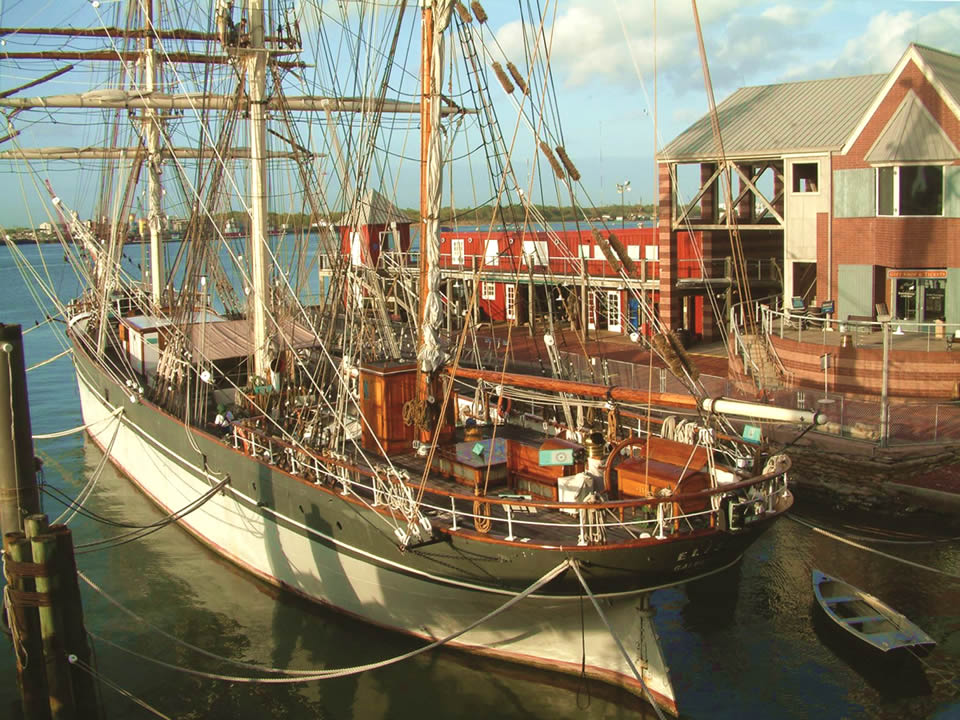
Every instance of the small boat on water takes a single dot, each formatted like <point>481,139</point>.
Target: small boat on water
<point>866,617</point>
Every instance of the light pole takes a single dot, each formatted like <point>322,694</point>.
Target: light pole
<point>623,188</point>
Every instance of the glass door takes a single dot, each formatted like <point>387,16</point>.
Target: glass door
<point>933,300</point>
<point>613,310</point>
<point>905,296</point>
<point>511,302</point>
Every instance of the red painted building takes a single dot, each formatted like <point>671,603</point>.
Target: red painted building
<point>525,275</point>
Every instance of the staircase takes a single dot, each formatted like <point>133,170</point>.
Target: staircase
<point>761,362</point>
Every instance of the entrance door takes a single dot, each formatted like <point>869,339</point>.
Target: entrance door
<point>613,310</point>
<point>634,306</point>
<point>934,300</point>
<point>511,302</point>
<point>905,295</point>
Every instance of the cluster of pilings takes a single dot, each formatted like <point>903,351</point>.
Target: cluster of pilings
<point>45,617</point>
<point>41,601</point>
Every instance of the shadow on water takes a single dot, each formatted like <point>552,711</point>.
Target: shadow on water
<point>712,602</point>
<point>894,675</point>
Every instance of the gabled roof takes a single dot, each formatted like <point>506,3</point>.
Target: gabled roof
<point>946,69</point>
<point>772,120</point>
<point>912,135</point>
<point>375,209</point>
<point>942,71</point>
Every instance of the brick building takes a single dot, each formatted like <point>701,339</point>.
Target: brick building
<point>851,184</point>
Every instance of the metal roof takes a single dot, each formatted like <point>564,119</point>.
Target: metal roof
<point>946,68</point>
<point>912,135</point>
<point>234,338</point>
<point>773,120</point>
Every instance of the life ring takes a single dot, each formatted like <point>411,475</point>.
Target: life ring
<point>504,405</point>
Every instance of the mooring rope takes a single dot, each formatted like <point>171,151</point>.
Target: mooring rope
<point>87,490</point>
<point>639,676</point>
<point>79,428</point>
<point>50,360</point>
<point>77,662</point>
<point>860,546</point>
<point>297,676</point>
<point>19,649</point>
<point>141,532</point>
<point>893,541</point>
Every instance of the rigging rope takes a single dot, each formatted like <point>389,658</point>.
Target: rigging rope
<point>77,662</point>
<point>87,490</point>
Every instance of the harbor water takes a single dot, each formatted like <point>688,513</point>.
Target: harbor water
<point>749,643</point>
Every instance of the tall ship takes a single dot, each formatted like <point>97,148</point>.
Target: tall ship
<point>307,404</point>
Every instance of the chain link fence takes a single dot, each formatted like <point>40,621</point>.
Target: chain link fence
<point>909,423</point>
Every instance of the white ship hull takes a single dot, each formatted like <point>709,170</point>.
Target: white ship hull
<point>547,632</point>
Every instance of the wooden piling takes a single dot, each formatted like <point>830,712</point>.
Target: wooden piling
<point>44,548</point>
<point>24,622</point>
<point>74,631</point>
<point>19,494</point>
<point>35,524</point>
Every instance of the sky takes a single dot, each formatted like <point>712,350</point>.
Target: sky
<point>603,64</point>
<point>603,61</point>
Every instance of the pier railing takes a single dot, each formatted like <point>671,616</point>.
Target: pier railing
<point>860,418</point>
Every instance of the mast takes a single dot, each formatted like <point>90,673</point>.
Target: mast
<point>257,80</point>
<point>436,16</point>
<point>154,192</point>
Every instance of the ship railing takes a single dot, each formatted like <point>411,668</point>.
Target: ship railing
<point>509,514</point>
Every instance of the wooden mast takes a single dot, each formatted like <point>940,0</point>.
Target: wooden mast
<point>256,81</point>
<point>426,132</point>
<point>154,191</point>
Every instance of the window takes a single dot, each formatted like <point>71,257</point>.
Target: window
<point>806,177</point>
<point>456,251</point>
<point>488,291</point>
<point>535,252</point>
<point>492,254</point>
<point>910,190</point>
<point>389,241</point>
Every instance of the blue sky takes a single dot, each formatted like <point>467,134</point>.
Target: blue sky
<point>603,67</point>
<point>603,59</point>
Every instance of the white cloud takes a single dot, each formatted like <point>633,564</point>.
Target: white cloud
<point>592,41</point>
<point>606,43</point>
<point>885,39</point>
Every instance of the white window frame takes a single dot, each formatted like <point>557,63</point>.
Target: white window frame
<point>457,251</point>
<point>488,290</point>
<point>614,310</point>
<point>511,301</point>
<point>535,252</point>
<point>491,254</point>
